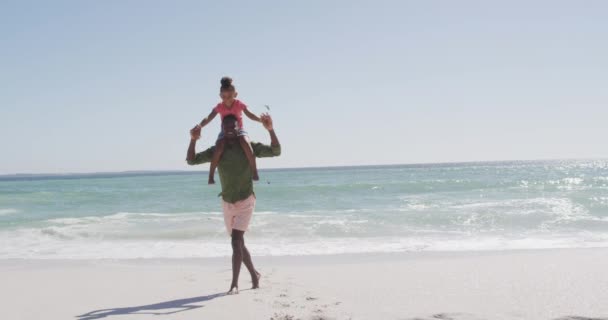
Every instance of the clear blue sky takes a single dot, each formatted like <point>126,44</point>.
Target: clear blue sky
<point>115,85</point>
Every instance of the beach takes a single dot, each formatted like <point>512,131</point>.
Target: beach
<point>503,240</point>
<point>516,284</point>
<point>150,151</point>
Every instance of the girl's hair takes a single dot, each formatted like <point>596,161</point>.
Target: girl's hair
<point>226,84</point>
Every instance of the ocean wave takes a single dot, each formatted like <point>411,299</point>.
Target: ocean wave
<point>129,225</point>
<point>544,214</point>
<point>126,216</point>
<point>470,216</point>
<point>563,208</point>
<point>191,225</point>
<point>7,211</point>
<point>340,222</point>
<point>117,232</point>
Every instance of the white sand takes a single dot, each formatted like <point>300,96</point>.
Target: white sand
<point>538,284</point>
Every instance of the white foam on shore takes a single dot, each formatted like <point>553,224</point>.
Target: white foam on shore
<point>50,246</point>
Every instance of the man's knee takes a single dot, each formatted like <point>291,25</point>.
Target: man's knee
<point>237,238</point>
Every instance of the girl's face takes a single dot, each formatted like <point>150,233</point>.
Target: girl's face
<point>228,96</point>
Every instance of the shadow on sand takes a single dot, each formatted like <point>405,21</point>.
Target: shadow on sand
<point>464,316</point>
<point>579,318</point>
<point>161,308</point>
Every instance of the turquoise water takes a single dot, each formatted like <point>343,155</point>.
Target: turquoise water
<point>468,206</point>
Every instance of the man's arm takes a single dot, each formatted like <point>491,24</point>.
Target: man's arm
<point>267,122</point>
<point>261,150</point>
<point>195,134</point>
<point>192,157</point>
<point>274,141</point>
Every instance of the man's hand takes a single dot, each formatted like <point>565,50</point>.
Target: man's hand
<point>267,121</point>
<point>195,133</point>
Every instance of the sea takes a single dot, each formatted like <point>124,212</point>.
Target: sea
<point>479,206</point>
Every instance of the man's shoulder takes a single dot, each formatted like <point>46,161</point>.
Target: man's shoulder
<point>202,157</point>
<point>263,150</point>
<point>256,144</point>
<point>210,149</point>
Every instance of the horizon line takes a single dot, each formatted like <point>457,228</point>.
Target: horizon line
<point>160,171</point>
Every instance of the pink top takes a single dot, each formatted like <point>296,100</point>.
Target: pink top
<point>236,110</point>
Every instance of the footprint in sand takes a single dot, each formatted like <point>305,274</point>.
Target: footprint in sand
<point>281,316</point>
<point>450,316</point>
<point>282,304</point>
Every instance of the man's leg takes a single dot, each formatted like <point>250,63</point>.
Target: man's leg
<point>255,275</point>
<point>240,254</point>
<point>237,259</point>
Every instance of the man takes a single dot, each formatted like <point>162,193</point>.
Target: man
<point>238,198</point>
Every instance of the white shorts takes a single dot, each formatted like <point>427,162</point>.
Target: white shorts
<point>238,215</point>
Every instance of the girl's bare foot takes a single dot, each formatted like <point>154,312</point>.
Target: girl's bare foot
<point>256,281</point>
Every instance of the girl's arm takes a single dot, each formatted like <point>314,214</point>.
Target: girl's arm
<point>208,119</point>
<point>251,115</point>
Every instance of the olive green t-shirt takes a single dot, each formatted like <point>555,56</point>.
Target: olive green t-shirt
<point>234,170</point>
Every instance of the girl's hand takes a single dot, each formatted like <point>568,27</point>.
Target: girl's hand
<point>267,121</point>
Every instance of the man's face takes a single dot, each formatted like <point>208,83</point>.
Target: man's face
<point>230,128</point>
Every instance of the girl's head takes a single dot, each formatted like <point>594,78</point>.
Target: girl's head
<point>227,90</point>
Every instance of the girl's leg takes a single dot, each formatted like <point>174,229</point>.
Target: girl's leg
<point>250,156</point>
<point>217,154</point>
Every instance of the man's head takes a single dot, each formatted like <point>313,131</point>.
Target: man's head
<point>230,127</point>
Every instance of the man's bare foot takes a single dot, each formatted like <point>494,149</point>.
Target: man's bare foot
<point>233,290</point>
<point>211,181</point>
<point>256,177</point>
<point>256,281</point>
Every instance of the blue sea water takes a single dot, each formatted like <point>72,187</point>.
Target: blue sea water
<point>429,207</point>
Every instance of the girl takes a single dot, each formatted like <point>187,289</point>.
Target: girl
<point>230,105</point>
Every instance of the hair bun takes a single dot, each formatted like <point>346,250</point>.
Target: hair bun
<point>226,82</point>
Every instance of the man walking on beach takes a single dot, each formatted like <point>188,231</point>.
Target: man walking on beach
<point>238,198</point>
